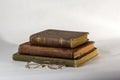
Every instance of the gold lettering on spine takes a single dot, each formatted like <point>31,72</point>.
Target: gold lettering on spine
<point>31,39</point>
<point>61,40</point>
<point>38,39</point>
<point>71,44</point>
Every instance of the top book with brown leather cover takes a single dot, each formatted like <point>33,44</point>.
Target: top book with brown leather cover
<point>59,38</point>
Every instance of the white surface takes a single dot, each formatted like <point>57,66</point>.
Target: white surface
<point>21,18</point>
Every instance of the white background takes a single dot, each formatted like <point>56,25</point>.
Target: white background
<point>21,18</point>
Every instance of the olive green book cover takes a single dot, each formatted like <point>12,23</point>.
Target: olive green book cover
<point>47,60</point>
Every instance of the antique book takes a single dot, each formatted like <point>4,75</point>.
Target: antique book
<point>67,53</point>
<point>47,60</point>
<point>59,38</point>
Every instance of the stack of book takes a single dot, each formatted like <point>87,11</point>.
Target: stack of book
<point>69,48</point>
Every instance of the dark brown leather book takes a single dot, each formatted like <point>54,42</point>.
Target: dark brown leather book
<point>66,53</point>
<point>59,38</point>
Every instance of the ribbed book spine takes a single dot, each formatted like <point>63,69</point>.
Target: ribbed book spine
<point>59,38</point>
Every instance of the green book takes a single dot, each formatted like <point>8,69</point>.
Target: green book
<point>47,60</point>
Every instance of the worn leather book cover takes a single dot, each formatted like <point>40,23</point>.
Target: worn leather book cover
<point>47,60</point>
<point>67,53</point>
<point>59,38</point>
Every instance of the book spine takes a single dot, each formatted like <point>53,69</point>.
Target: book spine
<point>45,51</point>
<point>50,42</point>
<point>43,60</point>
